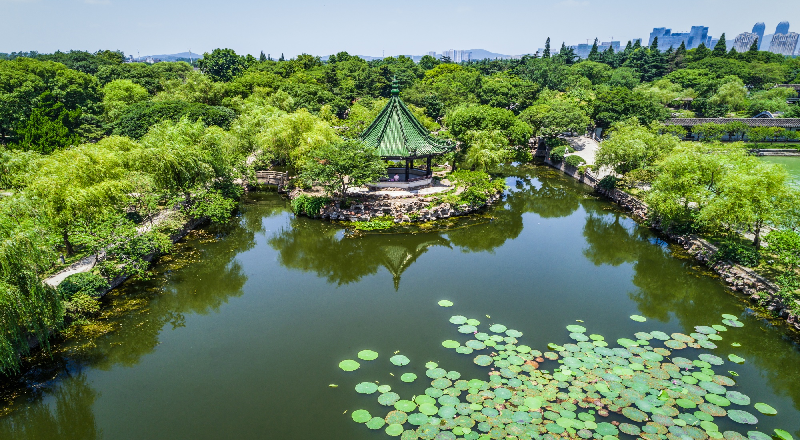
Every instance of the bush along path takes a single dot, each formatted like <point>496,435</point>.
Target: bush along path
<point>739,278</point>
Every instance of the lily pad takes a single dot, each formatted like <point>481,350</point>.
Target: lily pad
<point>738,398</point>
<point>783,434</point>
<point>757,435</point>
<point>418,419</point>
<point>396,417</point>
<point>428,409</point>
<point>399,360</point>
<point>638,318</point>
<point>732,323</point>
<point>483,360</point>
<point>450,344</point>
<point>446,303</point>
<point>743,417</point>
<point>731,317</point>
<point>430,365</point>
<point>405,405</point>
<point>367,355</point>
<point>384,389</point>
<point>513,333</point>
<point>736,359</point>
<point>574,328</point>
<point>408,377</point>
<point>366,387</point>
<point>361,416</point>
<point>388,399</point>
<point>376,423</point>
<point>711,359</point>
<point>498,328</point>
<point>765,409</point>
<point>394,430</point>
<point>458,319</point>
<point>466,329</point>
<point>349,365</point>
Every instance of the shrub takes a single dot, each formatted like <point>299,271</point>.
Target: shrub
<point>557,154</point>
<point>87,283</point>
<point>375,224</point>
<point>575,161</point>
<point>309,205</point>
<point>478,186</point>
<point>738,253</point>
<point>136,120</point>
<point>608,182</point>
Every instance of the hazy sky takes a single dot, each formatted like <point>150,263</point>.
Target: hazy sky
<point>364,27</point>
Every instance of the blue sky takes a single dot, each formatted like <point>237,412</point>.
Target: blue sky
<point>361,27</point>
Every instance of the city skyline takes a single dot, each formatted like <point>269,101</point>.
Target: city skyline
<point>509,27</point>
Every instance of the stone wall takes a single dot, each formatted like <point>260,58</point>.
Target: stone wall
<point>414,209</point>
<point>739,278</point>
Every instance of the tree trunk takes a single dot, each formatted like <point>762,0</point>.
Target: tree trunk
<point>67,244</point>
<point>757,240</point>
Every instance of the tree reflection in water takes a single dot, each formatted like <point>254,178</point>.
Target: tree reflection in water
<point>670,284</point>
<point>67,415</point>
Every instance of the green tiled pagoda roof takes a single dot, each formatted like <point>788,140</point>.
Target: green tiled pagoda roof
<point>397,134</point>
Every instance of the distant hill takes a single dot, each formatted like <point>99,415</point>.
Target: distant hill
<point>175,56</point>
<point>477,54</point>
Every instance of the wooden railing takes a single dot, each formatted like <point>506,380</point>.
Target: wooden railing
<point>272,178</point>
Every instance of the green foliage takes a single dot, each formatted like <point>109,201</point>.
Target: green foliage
<point>478,187</point>
<point>309,205</point>
<point>574,161</point>
<point>556,113</point>
<point>484,118</point>
<point>608,182</point>
<point>119,94</point>
<point>135,120</point>
<point>486,149</point>
<point>557,154</point>
<point>222,64</point>
<point>375,224</point>
<point>343,164</point>
<point>87,282</point>
<point>631,146</point>
<point>737,252</point>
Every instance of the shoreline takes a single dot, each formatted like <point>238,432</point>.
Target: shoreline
<point>738,278</point>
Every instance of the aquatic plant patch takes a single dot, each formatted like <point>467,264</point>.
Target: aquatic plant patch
<point>569,390</point>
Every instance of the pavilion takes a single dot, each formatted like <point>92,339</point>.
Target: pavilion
<point>398,135</point>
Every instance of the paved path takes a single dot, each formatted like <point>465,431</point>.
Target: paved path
<point>585,147</point>
<point>403,193</point>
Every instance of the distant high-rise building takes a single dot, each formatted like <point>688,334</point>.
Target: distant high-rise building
<point>433,54</point>
<point>764,45</point>
<point>759,29</point>
<point>457,56</point>
<point>692,39</point>
<point>583,50</point>
<point>743,41</point>
<point>784,44</point>
<point>783,28</point>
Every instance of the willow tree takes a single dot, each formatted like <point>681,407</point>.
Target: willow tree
<point>293,138</point>
<point>81,184</point>
<point>27,306</point>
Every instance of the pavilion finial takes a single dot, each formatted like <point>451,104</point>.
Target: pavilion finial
<point>395,88</point>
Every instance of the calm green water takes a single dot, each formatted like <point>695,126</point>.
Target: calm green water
<point>792,164</point>
<point>240,334</point>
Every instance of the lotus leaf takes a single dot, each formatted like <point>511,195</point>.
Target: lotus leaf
<point>366,387</point>
<point>458,319</point>
<point>498,328</point>
<point>376,423</point>
<point>405,405</point>
<point>445,303</point>
<point>399,360</point>
<point>428,409</point>
<point>394,430</point>
<point>384,388</point>
<point>408,377</point>
<point>466,329</point>
<point>450,344</point>
<point>638,318</point>
<point>388,399</point>
<point>349,365</point>
<point>743,417</point>
<point>361,416</point>
<point>783,434</point>
<point>756,435</point>
<point>765,409</point>
<point>735,359</point>
<point>738,398</point>
<point>417,419</point>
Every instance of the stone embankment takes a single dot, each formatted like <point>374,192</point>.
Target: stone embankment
<point>401,209</point>
<point>739,278</point>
